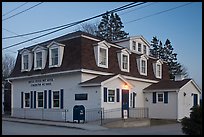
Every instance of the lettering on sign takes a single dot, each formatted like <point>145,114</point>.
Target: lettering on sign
<point>41,82</point>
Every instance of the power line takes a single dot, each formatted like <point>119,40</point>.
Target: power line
<point>16,34</point>
<point>159,12</point>
<point>15,9</point>
<point>73,24</point>
<point>137,8</point>
<point>31,33</point>
<point>22,11</point>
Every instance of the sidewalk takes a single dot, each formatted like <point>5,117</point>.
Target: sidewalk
<point>85,126</point>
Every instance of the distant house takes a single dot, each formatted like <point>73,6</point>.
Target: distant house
<point>82,69</point>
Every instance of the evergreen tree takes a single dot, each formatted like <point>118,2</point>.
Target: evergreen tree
<point>154,47</point>
<point>193,125</point>
<point>166,53</point>
<point>104,26</point>
<point>110,27</point>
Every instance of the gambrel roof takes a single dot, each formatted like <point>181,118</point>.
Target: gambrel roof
<point>79,54</point>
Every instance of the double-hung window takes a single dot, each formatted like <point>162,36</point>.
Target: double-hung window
<point>103,57</point>
<point>25,62</point>
<point>134,45</point>
<point>139,47</point>
<point>56,99</point>
<point>111,95</point>
<point>160,97</point>
<point>144,49</point>
<point>27,100</point>
<point>54,56</point>
<point>125,62</point>
<point>40,99</point>
<point>143,66</point>
<point>38,59</point>
<point>158,70</point>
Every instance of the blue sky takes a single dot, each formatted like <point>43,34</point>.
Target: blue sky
<point>182,26</point>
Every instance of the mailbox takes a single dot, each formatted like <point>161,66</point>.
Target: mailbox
<point>79,113</point>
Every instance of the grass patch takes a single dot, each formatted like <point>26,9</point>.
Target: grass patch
<point>162,121</point>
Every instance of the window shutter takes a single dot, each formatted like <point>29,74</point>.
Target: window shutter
<point>31,99</point>
<point>61,98</point>
<point>34,99</point>
<point>118,95</point>
<point>154,97</point>
<point>165,97</point>
<point>105,94</point>
<point>22,99</point>
<point>49,99</point>
<point>45,98</point>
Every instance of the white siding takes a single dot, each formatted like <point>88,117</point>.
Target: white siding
<point>161,110</point>
<point>138,89</point>
<point>186,102</point>
<point>68,82</point>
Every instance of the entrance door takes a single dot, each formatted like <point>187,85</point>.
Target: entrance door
<point>125,102</point>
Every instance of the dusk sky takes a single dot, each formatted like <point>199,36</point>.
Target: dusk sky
<point>180,22</point>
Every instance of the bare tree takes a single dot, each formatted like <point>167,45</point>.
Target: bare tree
<point>8,63</point>
<point>90,28</point>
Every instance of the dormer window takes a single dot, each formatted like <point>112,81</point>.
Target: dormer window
<point>40,57</point>
<point>142,64</point>
<point>144,49</point>
<point>101,54</point>
<point>103,57</point>
<point>143,67</point>
<point>54,56</point>
<point>158,68</point>
<point>125,62</point>
<point>123,59</point>
<point>25,62</point>
<point>56,51</point>
<point>139,47</point>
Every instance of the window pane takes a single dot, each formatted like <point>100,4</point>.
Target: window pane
<point>27,99</point>
<point>134,45</point>
<point>158,70</point>
<point>139,47</point>
<point>40,99</point>
<point>39,59</point>
<point>111,95</point>
<point>54,56</point>
<point>102,56</point>
<point>143,66</point>
<point>160,97</point>
<point>125,62</point>
<point>25,62</point>
<point>144,49</point>
<point>56,99</point>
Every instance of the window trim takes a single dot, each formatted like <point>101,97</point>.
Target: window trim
<point>52,97</point>
<point>23,66</point>
<point>144,49</point>
<point>101,65</point>
<point>138,47</point>
<point>50,56</point>
<point>108,96</point>
<point>134,44</point>
<point>42,99</point>
<point>145,60</point>
<point>160,75</point>
<point>128,62</point>
<point>35,62</point>
<point>162,97</point>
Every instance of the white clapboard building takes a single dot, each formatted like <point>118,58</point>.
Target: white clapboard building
<point>52,78</point>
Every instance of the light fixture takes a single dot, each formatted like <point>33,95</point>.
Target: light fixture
<point>184,93</point>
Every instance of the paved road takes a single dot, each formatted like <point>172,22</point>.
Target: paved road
<point>15,128</point>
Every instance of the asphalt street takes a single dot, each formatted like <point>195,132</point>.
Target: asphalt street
<point>16,128</point>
